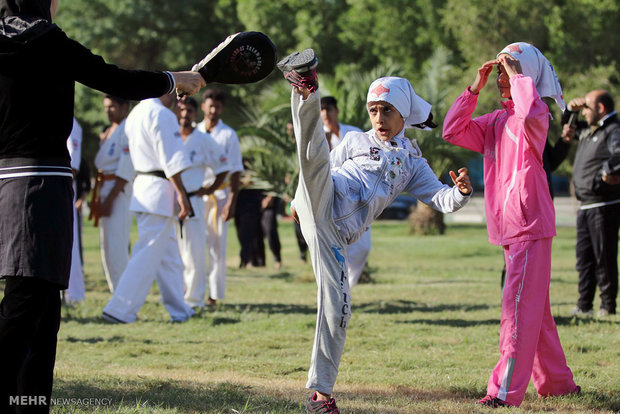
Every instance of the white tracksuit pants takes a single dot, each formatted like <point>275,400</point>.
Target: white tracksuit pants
<point>114,238</point>
<point>155,255</point>
<point>192,241</point>
<point>358,255</point>
<point>75,291</point>
<point>217,234</point>
<point>313,202</point>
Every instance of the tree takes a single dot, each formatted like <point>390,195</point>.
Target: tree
<point>435,87</point>
<point>268,150</point>
<point>140,34</point>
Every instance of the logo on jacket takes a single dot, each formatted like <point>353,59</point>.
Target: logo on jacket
<point>374,154</point>
<point>112,148</point>
<point>192,155</point>
<point>126,149</point>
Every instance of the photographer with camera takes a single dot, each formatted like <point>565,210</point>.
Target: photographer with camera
<point>596,176</point>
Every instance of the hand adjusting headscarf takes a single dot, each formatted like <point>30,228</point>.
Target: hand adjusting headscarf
<point>399,93</point>
<point>536,66</point>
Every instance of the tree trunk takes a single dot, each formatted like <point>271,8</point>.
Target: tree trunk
<point>425,220</point>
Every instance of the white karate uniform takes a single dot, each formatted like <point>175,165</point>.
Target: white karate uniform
<point>357,252</point>
<point>154,145</point>
<point>334,139</point>
<point>216,227</point>
<point>338,196</point>
<point>204,153</point>
<point>113,158</point>
<point>75,291</point>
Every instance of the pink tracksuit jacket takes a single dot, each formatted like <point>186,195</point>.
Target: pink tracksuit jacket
<point>517,201</point>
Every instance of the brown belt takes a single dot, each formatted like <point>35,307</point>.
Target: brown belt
<point>95,201</point>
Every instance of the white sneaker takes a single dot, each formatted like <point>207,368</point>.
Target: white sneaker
<point>577,312</point>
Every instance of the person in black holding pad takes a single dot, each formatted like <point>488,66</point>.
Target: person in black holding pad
<point>38,59</point>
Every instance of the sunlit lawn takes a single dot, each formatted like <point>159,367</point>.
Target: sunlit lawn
<point>423,337</point>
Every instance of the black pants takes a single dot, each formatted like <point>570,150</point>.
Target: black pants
<point>247,223</point>
<point>301,242</point>
<point>29,322</point>
<point>597,255</point>
<point>269,223</point>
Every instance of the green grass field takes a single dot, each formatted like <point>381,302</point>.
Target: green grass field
<point>423,337</point>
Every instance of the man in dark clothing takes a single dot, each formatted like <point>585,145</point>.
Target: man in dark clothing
<point>36,197</point>
<point>597,187</point>
<point>270,207</point>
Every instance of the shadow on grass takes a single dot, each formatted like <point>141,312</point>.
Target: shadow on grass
<point>288,276</point>
<point>97,339</point>
<point>407,306</point>
<point>154,395</point>
<point>457,323</point>
<point>268,308</point>
<point>391,307</point>
<point>576,321</point>
<point>157,395</point>
<point>72,317</point>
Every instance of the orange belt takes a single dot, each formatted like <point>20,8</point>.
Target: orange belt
<point>215,209</point>
<point>95,201</point>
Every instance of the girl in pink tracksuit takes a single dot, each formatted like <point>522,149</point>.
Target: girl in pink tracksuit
<point>520,217</point>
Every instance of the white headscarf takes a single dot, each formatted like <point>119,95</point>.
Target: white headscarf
<point>399,93</point>
<point>536,66</point>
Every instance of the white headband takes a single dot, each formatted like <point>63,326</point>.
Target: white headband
<point>535,65</point>
<point>399,93</point>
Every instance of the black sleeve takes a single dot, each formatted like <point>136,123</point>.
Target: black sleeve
<point>558,153</point>
<point>566,115</point>
<point>612,165</point>
<point>613,142</point>
<point>91,70</point>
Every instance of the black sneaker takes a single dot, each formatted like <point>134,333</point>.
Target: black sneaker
<point>493,402</point>
<point>299,69</point>
<point>323,407</point>
<point>111,319</point>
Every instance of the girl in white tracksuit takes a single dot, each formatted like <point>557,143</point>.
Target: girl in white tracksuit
<point>340,195</point>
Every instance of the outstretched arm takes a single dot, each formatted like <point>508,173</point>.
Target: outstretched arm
<point>426,187</point>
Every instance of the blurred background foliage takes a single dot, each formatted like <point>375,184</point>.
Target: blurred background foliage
<point>436,44</point>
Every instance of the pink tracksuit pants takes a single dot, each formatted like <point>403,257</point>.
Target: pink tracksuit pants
<point>529,343</point>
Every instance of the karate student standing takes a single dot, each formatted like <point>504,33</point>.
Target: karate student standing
<point>75,292</point>
<point>158,157</point>
<point>112,192</point>
<point>340,194</point>
<point>520,217</point>
<point>220,206</point>
<point>204,153</point>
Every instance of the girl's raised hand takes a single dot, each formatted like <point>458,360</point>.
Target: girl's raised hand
<point>482,76</point>
<point>462,182</point>
<point>511,65</point>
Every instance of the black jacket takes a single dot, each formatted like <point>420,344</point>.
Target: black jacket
<point>596,150</point>
<point>553,157</point>
<point>39,66</point>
